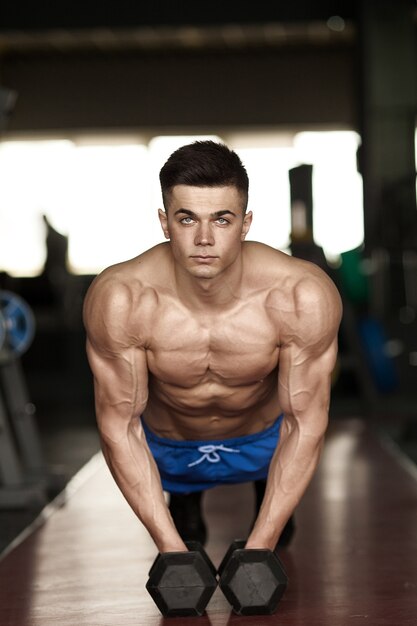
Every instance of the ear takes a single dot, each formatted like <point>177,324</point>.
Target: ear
<point>247,221</point>
<point>163,218</point>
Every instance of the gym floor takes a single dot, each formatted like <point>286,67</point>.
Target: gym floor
<point>67,444</point>
<point>353,559</point>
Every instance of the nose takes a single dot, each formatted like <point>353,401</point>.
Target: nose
<point>204,235</point>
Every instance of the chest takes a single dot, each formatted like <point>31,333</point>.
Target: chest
<point>234,348</point>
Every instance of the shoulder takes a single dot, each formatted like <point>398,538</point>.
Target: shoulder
<point>317,301</point>
<point>317,309</point>
<point>300,297</point>
<point>117,289</point>
<point>121,299</point>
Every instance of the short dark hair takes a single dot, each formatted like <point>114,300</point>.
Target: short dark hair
<point>204,164</point>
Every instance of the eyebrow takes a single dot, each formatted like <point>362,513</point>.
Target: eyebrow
<point>215,214</point>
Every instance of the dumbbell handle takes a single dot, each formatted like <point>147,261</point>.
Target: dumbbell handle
<point>193,546</point>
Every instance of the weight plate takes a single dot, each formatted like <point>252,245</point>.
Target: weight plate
<point>2,331</point>
<point>19,322</point>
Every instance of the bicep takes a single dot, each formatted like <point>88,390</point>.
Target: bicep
<point>116,353</point>
<point>309,351</point>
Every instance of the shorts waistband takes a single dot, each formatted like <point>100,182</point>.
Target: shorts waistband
<point>193,443</point>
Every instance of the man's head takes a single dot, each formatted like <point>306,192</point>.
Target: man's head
<point>205,191</point>
<point>204,164</point>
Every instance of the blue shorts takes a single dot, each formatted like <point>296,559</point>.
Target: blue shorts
<point>187,466</point>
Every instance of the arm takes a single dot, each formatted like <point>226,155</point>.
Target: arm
<point>307,358</point>
<point>118,360</point>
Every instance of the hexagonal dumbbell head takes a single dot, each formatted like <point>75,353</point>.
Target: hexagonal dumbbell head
<point>193,546</point>
<point>238,544</point>
<point>253,581</point>
<point>181,583</point>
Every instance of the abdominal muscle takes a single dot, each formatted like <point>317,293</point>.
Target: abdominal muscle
<point>211,410</point>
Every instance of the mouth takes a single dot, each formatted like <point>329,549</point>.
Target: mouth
<point>203,258</point>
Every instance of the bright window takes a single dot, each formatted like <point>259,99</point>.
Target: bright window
<point>110,220</point>
<point>337,186</point>
<point>104,195</point>
<point>34,181</point>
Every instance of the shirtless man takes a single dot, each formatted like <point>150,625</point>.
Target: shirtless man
<point>211,356</point>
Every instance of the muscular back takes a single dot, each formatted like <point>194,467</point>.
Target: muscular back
<point>205,372</point>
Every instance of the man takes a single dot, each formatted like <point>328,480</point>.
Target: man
<point>211,356</point>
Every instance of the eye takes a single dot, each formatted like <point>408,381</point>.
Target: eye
<point>186,220</point>
<point>222,221</point>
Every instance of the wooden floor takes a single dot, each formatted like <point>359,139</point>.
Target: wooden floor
<point>353,560</point>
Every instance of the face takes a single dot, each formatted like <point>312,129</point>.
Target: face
<point>206,227</point>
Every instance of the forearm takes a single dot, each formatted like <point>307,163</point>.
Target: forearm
<point>291,470</point>
<point>135,472</point>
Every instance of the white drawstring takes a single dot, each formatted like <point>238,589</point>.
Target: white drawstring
<point>210,454</point>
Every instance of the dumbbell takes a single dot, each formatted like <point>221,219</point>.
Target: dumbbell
<point>252,580</point>
<point>182,583</point>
